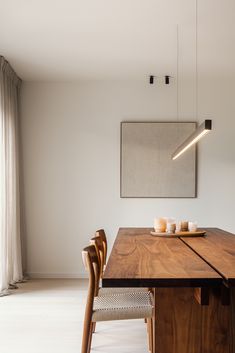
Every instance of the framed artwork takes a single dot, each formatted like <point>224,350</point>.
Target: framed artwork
<point>147,169</point>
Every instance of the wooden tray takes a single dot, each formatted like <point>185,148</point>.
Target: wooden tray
<point>198,233</point>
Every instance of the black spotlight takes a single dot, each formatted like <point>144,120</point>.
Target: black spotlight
<point>167,80</point>
<point>151,79</point>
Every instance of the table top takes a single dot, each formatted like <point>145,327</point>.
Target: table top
<point>218,250</point>
<point>140,260</point>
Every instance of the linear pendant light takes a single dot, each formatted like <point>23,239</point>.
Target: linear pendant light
<point>201,131</point>
<point>206,126</point>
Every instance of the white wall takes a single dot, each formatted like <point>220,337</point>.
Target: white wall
<point>71,145</point>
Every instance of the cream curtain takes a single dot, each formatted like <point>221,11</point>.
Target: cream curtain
<point>10,244</point>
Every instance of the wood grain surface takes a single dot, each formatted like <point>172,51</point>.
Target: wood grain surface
<point>218,249</point>
<point>232,321</point>
<point>184,326</point>
<point>216,323</point>
<point>141,260</point>
<point>178,321</point>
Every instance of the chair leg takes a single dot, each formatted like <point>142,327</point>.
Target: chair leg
<point>93,327</point>
<point>86,336</point>
<point>150,334</point>
<point>90,338</point>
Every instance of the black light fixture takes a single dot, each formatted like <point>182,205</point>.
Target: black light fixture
<point>151,79</point>
<point>167,79</point>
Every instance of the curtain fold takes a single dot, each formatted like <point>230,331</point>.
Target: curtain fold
<point>10,243</point>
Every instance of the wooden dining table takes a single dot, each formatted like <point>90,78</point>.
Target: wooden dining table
<point>193,281</point>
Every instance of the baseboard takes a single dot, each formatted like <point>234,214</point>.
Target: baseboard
<point>56,275</point>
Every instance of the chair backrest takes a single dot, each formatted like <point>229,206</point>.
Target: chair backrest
<point>99,245</point>
<point>92,265</point>
<point>101,233</point>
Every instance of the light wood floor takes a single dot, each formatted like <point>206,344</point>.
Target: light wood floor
<point>46,316</point>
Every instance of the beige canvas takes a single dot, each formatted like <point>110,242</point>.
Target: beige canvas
<point>147,169</point>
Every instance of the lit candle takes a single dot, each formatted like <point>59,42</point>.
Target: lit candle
<point>184,226</point>
<point>178,227</point>
<point>170,227</point>
<point>192,226</point>
<point>160,225</point>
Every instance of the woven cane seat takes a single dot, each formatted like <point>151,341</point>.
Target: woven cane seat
<point>113,291</point>
<point>123,306</point>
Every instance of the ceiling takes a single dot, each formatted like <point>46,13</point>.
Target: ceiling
<point>115,39</point>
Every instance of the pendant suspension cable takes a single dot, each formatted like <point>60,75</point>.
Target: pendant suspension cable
<point>196,58</point>
<point>177,72</point>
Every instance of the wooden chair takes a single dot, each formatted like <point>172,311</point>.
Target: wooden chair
<point>122,306</point>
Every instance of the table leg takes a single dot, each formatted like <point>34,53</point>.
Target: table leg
<point>232,320</point>
<point>177,323</point>
<point>181,325</point>
<point>215,325</point>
